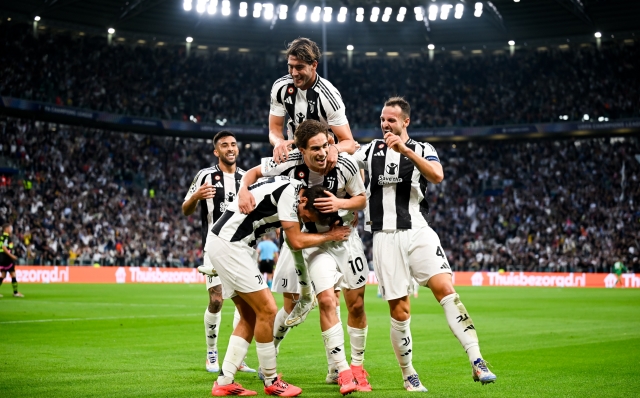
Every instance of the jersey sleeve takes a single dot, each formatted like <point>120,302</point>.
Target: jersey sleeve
<point>288,203</point>
<point>353,182</point>
<point>361,156</point>
<point>429,153</point>
<point>277,107</point>
<point>270,168</point>
<point>195,184</point>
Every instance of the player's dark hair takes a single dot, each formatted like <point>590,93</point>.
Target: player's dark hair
<point>312,194</point>
<point>304,49</point>
<point>401,103</point>
<point>307,130</point>
<point>5,226</point>
<point>222,134</point>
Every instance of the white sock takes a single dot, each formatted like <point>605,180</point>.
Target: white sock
<point>334,344</point>
<point>211,328</point>
<point>236,318</point>
<point>279,329</point>
<point>338,311</point>
<point>358,340</point>
<point>461,325</point>
<point>267,360</point>
<point>403,345</point>
<point>236,351</point>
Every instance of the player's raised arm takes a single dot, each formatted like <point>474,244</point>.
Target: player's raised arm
<point>246,201</point>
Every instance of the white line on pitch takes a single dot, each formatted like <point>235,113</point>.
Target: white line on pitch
<point>99,318</point>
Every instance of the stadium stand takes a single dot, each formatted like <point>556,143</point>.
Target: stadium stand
<point>532,86</point>
<point>113,198</point>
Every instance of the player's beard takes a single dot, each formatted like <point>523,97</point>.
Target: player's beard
<point>224,160</point>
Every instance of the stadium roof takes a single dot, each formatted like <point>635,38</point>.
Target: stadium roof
<point>501,21</point>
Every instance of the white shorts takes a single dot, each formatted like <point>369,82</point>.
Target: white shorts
<point>355,269</point>
<point>400,255</point>
<point>210,281</point>
<point>237,266</point>
<point>322,264</point>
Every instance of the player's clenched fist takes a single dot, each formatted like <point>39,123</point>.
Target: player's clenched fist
<point>246,201</point>
<point>206,191</point>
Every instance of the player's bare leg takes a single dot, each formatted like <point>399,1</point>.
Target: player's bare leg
<point>357,330</point>
<point>461,325</point>
<point>402,342</point>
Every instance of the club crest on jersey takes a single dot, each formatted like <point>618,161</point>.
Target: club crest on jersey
<point>392,168</point>
<point>331,182</point>
<point>312,105</point>
<point>290,90</point>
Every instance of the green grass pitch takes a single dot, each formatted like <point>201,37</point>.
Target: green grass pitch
<point>148,341</point>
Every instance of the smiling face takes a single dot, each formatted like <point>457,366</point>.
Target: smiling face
<point>315,154</point>
<point>304,74</point>
<point>393,120</point>
<point>227,150</point>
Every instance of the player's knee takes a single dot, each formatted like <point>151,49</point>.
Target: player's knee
<point>327,302</point>
<point>356,308</point>
<point>215,305</point>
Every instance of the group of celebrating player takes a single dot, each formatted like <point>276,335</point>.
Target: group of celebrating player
<point>313,193</point>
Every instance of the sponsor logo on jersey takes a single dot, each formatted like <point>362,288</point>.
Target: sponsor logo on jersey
<point>382,180</point>
<point>392,168</point>
<point>288,101</point>
<point>379,153</point>
<point>218,185</point>
<point>300,117</point>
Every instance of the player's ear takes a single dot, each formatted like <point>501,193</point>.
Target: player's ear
<point>406,122</point>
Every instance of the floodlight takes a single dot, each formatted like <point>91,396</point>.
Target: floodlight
<point>433,13</point>
<point>478,10</point>
<point>350,47</point>
<point>302,13</point>
<point>360,11</point>
<point>212,7</point>
<point>187,5</point>
<point>459,10</point>
<point>419,13</point>
<point>111,31</point>
<point>400,17</point>
<point>327,14</point>
<point>342,16</point>
<point>444,11</point>
<point>189,39</point>
<point>512,43</point>
<point>36,18</point>
<point>375,11</point>
<point>402,10</point>
<point>268,11</point>
<point>359,18</point>
<point>598,35</point>
<point>374,18</point>
<point>385,18</point>
<point>282,11</point>
<point>431,47</point>
<point>226,8</point>
<point>201,6</point>
<point>585,117</point>
<point>315,15</point>
<point>257,10</point>
<point>387,10</point>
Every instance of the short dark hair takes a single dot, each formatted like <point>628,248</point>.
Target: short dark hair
<point>304,49</point>
<point>5,226</point>
<point>307,130</point>
<point>401,103</point>
<point>312,194</point>
<point>222,134</point>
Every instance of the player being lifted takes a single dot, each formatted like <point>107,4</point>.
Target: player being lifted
<point>283,202</point>
<point>215,187</point>
<point>329,266</point>
<point>404,246</point>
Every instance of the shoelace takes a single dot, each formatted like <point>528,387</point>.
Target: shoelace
<point>361,376</point>
<point>281,383</point>
<point>213,358</point>
<point>482,365</point>
<point>414,380</point>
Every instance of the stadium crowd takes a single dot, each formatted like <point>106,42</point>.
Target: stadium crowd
<point>233,88</point>
<point>85,196</point>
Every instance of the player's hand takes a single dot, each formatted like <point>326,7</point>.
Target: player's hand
<point>395,142</point>
<point>246,201</point>
<point>332,158</point>
<point>281,151</point>
<point>338,234</point>
<point>356,218</point>
<point>328,205</point>
<point>206,191</point>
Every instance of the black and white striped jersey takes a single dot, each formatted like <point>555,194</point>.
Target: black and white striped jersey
<point>396,188</point>
<point>321,102</point>
<point>276,200</point>
<point>226,189</point>
<point>342,181</point>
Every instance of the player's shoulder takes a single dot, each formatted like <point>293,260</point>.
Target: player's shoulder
<point>347,163</point>
<point>426,147</point>
<point>241,171</point>
<point>283,81</point>
<point>322,83</point>
<point>205,172</point>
